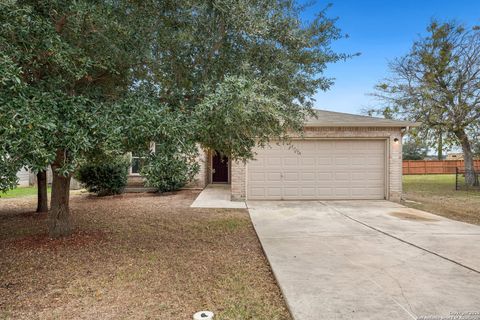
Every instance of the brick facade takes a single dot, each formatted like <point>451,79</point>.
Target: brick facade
<point>394,156</point>
<point>201,178</point>
<point>238,174</point>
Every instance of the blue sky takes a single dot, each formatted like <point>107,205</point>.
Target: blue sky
<point>380,31</point>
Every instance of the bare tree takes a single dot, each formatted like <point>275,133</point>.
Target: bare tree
<point>438,83</point>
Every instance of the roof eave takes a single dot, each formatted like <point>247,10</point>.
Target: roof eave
<point>364,125</point>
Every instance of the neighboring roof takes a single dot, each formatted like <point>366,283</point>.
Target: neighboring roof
<point>337,119</point>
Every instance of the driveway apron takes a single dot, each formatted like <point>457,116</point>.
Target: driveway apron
<point>369,259</point>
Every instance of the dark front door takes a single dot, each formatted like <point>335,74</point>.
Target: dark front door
<point>219,168</point>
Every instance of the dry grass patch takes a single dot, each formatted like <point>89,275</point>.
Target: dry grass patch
<point>134,257</point>
<point>437,194</point>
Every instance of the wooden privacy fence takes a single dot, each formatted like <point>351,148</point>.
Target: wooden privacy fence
<point>434,166</point>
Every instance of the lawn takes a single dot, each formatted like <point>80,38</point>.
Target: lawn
<point>437,194</point>
<point>135,256</point>
<point>21,192</point>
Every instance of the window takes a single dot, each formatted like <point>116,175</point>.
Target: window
<point>137,162</point>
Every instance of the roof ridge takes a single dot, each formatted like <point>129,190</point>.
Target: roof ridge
<point>355,115</point>
<point>327,118</point>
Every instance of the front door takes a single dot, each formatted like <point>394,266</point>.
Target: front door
<point>219,168</point>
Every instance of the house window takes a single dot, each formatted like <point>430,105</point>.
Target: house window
<point>137,162</point>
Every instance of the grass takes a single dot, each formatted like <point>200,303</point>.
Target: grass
<point>21,192</point>
<point>135,256</point>
<point>437,194</point>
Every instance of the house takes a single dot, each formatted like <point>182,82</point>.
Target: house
<point>23,177</point>
<point>27,178</point>
<point>454,156</point>
<point>339,156</point>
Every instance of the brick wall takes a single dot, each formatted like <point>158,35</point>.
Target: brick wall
<point>238,174</point>
<point>201,178</point>
<point>394,156</point>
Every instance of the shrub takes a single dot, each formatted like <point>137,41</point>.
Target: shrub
<point>168,169</point>
<point>104,178</point>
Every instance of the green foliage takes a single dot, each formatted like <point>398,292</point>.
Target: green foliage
<point>105,177</point>
<point>414,149</point>
<point>80,76</point>
<point>8,173</point>
<point>242,113</point>
<point>437,84</point>
<point>215,66</point>
<point>476,148</point>
<point>22,192</point>
<point>171,166</point>
<point>62,66</point>
<point>71,70</point>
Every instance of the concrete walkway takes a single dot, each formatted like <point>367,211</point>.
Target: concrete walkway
<point>369,260</point>
<point>217,196</point>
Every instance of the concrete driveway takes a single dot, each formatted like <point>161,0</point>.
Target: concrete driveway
<point>369,260</point>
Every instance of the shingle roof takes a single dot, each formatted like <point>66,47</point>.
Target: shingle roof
<point>337,119</point>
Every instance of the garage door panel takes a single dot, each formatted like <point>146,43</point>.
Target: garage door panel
<point>291,177</point>
<point>308,192</point>
<point>291,191</point>
<point>375,161</point>
<point>307,161</point>
<point>325,176</point>
<point>378,176</point>
<point>257,177</point>
<point>274,160</point>
<point>359,176</point>
<point>290,161</point>
<point>273,191</point>
<point>342,192</point>
<point>258,192</point>
<point>359,160</point>
<point>327,191</point>
<point>342,160</point>
<point>308,176</point>
<point>323,161</point>
<point>325,169</point>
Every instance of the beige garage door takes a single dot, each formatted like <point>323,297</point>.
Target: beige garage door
<point>318,169</point>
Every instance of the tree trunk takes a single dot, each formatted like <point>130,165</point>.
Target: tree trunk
<point>59,223</point>
<point>470,176</point>
<point>440,146</point>
<point>42,197</point>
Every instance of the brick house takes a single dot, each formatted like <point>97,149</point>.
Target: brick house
<point>339,156</point>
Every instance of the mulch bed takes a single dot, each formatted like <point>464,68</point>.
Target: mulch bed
<point>134,256</point>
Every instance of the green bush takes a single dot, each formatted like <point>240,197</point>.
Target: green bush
<point>168,169</point>
<point>106,177</point>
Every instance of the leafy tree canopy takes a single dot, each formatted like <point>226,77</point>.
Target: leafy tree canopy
<point>438,84</point>
<point>414,148</point>
<point>80,76</point>
<point>245,70</point>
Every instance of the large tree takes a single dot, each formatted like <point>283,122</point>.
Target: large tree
<point>22,144</point>
<point>120,74</point>
<point>247,70</point>
<point>414,148</point>
<point>69,61</point>
<point>438,84</point>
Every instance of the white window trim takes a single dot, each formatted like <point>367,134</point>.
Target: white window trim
<point>130,155</point>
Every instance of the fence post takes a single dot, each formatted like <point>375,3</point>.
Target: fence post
<point>456,178</point>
